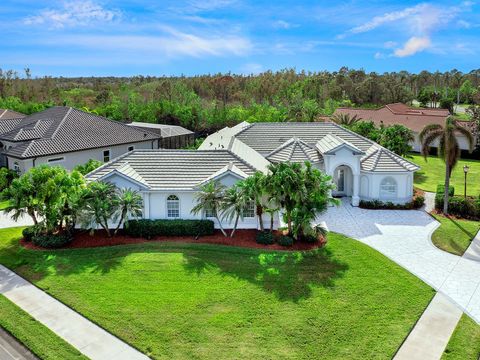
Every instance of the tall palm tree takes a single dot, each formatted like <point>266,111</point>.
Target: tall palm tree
<point>233,205</point>
<point>21,199</point>
<point>130,203</point>
<point>209,198</point>
<point>448,148</point>
<point>254,186</point>
<point>345,119</point>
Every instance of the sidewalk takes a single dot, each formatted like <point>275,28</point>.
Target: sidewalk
<point>90,339</point>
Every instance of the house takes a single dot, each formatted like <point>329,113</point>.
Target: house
<point>172,136</point>
<point>169,179</point>
<point>413,118</point>
<point>68,137</point>
<point>6,114</point>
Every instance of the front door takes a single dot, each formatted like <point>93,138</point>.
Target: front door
<point>340,181</point>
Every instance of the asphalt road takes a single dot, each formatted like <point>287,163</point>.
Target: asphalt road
<point>11,349</point>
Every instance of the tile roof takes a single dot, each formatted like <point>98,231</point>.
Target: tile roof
<point>162,129</point>
<point>330,143</point>
<point>295,150</point>
<point>174,169</point>
<point>398,113</point>
<point>6,114</point>
<point>65,129</point>
<point>379,159</point>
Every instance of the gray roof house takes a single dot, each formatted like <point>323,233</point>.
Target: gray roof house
<point>169,179</point>
<point>66,136</point>
<point>172,136</point>
<point>6,114</point>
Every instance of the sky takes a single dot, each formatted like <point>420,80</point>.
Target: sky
<point>143,37</point>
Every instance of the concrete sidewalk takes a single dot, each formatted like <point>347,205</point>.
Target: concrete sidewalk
<point>90,339</point>
<point>431,334</point>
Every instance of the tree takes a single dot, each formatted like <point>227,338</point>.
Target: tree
<point>6,177</point>
<point>254,187</point>
<point>396,138</point>
<point>345,119</point>
<point>448,148</point>
<point>233,204</point>
<point>101,205</point>
<point>89,166</point>
<point>130,203</point>
<point>209,199</point>
<point>366,129</point>
<point>21,199</point>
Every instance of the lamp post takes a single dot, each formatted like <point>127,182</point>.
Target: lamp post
<point>465,170</point>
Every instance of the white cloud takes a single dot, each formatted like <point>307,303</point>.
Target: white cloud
<point>412,46</point>
<point>208,5</point>
<point>171,44</point>
<point>73,13</point>
<point>252,68</point>
<point>379,55</point>
<point>390,44</point>
<point>282,24</point>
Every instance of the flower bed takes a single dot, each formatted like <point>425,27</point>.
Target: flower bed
<point>242,238</point>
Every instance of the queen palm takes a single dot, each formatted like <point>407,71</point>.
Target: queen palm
<point>448,148</point>
<point>345,119</point>
<point>209,198</point>
<point>254,187</point>
<point>233,205</point>
<point>130,203</point>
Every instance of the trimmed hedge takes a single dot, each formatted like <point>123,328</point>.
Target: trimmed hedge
<point>51,241</point>
<point>150,228</point>
<point>265,238</point>
<point>416,203</point>
<point>285,240</point>
<point>29,232</point>
<point>468,208</point>
<point>441,189</point>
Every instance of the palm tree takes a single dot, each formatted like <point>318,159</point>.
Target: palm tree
<point>21,199</point>
<point>345,119</point>
<point>130,203</point>
<point>448,147</point>
<point>254,187</point>
<point>233,205</point>
<point>209,198</point>
<point>272,210</point>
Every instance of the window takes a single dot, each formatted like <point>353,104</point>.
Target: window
<point>54,160</point>
<point>249,211</point>
<point>173,207</point>
<point>209,213</point>
<point>106,155</point>
<point>131,148</point>
<point>341,180</point>
<point>16,167</point>
<point>388,187</point>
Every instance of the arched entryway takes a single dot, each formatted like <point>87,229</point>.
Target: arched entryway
<point>343,179</point>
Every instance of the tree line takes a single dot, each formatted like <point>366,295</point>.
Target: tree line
<point>206,103</point>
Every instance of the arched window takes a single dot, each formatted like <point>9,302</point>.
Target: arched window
<point>173,206</point>
<point>388,187</point>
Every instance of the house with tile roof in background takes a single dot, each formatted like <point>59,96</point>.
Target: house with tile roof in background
<point>169,179</point>
<point>67,137</point>
<point>413,118</point>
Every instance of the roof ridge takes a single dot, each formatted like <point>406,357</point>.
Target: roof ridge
<point>378,151</point>
<point>239,158</point>
<point>61,122</point>
<point>3,113</point>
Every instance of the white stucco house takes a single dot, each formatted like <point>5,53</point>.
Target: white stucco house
<point>67,137</point>
<point>169,179</point>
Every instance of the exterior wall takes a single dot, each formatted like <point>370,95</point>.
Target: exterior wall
<point>75,158</point>
<point>417,147</point>
<point>370,186</point>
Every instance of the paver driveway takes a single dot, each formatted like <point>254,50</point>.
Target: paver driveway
<point>404,237</point>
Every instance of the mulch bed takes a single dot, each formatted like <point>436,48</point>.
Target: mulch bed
<point>242,238</point>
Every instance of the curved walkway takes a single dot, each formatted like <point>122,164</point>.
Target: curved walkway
<point>404,237</point>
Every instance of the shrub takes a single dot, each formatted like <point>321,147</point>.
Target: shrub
<point>416,203</point>
<point>29,232</point>
<point>285,240</point>
<point>265,238</point>
<point>468,208</point>
<point>149,228</point>
<point>51,241</point>
<point>441,189</point>
<point>310,238</point>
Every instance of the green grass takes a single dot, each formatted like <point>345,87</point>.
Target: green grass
<point>432,173</point>
<point>39,339</point>
<point>465,341</point>
<point>454,235</point>
<point>3,204</point>
<point>177,300</point>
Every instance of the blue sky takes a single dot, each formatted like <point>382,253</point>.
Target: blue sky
<point>120,37</point>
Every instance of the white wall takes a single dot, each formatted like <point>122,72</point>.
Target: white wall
<point>370,186</point>
<point>73,159</point>
<point>417,146</point>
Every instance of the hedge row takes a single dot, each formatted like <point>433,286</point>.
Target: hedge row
<point>150,228</point>
<point>416,203</point>
<point>468,208</point>
<point>34,234</point>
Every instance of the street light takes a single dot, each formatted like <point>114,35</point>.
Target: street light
<point>465,170</point>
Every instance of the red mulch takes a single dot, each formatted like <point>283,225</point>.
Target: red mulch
<point>242,238</point>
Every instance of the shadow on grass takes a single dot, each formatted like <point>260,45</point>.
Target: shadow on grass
<point>290,276</point>
<point>458,225</point>
<point>420,177</point>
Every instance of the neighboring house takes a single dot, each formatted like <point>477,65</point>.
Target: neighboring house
<point>6,114</point>
<point>413,118</point>
<point>68,137</point>
<point>169,179</point>
<point>172,136</point>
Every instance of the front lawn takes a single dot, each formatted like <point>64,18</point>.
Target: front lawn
<point>454,235</point>
<point>432,173</point>
<point>180,300</point>
<point>36,337</point>
<point>465,341</point>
